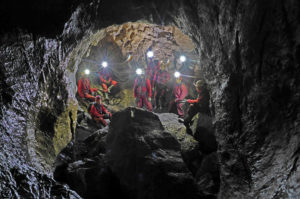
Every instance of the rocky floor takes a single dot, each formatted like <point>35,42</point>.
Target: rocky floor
<point>140,155</point>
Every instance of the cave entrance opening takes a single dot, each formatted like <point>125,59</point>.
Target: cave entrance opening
<point>112,46</point>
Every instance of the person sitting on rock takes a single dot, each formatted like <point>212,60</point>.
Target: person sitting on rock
<point>160,85</point>
<point>142,90</point>
<point>201,104</point>
<point>179,93</point>
<point>99,112</point>
<point>106,81</point>
<point>84,88</point>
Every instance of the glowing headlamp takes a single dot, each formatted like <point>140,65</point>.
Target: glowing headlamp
<point>150,54</point>
<point>177,74</point>
<point>104,64</point>
<point>139,71</point>
<point>182,58</point>
<point>87,71</point>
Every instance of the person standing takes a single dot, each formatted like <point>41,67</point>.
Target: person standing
<point>160,85</point>
<point>142,90</point>
<point>179,93</point>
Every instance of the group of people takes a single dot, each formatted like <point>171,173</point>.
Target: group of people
<point>97,110</point>
<point>157,79</point>
<point>152,83</point>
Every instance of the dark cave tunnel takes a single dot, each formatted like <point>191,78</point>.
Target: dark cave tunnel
<point>246,147</point>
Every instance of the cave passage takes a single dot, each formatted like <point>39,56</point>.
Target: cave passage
<point>121,49</point>
<point>243,142</point>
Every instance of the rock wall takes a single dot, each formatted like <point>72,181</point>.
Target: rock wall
<point>31,114</point>
<point>248,54</point>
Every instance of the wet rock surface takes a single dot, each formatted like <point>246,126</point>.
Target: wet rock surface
<point>249,55</point>
<point>140,155</point>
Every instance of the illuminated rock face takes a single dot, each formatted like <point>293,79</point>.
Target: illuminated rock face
<point>149,157</point>
<point>249,56</point>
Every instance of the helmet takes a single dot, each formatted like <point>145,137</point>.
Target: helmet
<point>98,97</point>
<point>178,80</point>
<point>140,71</point>
<point>199,84</point>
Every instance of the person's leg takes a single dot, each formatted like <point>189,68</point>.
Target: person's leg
<point>162,98</point>
<point>180,110</point>
<point>147,103</point>
<point>104,87</point>
<point>100,120</point>
<point>171,104</point>
<point>112,84</point>
<point>140,102</point>
<point>192,111</point>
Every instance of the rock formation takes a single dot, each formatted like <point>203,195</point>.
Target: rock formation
<point>151,156</point>
<point>248,53</point>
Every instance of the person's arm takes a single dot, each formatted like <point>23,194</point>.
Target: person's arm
<point>149,88</point>
<point>191,101</point>
<point>106,111</point>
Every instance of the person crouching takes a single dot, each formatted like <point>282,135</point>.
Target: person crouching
<point>99,112</point>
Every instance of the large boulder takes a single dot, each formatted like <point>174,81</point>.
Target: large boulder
<point>82,165</point>
<point>146,157</point>
<point>140,155</point>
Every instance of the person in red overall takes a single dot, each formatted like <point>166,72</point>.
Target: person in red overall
<point>152,67</point>
<point>84,88</point>
<point>99,112</point>
<point>201,104</point>
<point>142,91</point>
<point>106,81</point>
<point>179,93</point>
<point>160,85</point>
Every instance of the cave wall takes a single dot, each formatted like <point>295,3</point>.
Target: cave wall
<point>249,56</point>
<point>248,52</point>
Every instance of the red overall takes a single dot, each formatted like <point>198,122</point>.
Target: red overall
<point>85,90</point>
<point>179,92</point>
<point>160,84</point>
<point>141,91</point>
<point>105,77</point>
<point>152,67</point>
<point>97,112</point>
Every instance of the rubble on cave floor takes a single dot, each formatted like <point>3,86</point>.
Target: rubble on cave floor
<point>140,154</point>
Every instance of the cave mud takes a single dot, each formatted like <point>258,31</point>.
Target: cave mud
<point>247,52</point>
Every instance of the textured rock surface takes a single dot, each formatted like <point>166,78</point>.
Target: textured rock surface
<point>146,158</point>
<point>248,53</point>
<point>140,155</point>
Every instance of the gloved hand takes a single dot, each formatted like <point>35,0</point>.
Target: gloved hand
<point>189,101</point>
